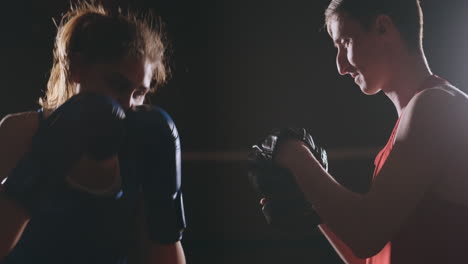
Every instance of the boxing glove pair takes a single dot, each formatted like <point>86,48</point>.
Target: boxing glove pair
<point>144,137</point>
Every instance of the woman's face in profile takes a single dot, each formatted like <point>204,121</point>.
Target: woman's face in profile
<point>127,80</point>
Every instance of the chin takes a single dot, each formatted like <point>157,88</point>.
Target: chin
<point>369,90</point>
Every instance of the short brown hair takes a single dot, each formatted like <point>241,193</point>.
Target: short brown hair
<point>406,15</point>
<point>101,35</point>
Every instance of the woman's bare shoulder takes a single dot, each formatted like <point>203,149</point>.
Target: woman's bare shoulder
<point>16,132</point>
<point>22,120</point>
<point>17,129</point>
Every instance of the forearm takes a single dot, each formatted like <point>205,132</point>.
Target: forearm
<point>345,212</point>
<point>166,254</point>
<point>13,221</point>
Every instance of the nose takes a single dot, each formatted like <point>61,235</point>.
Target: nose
<point>342,62</point>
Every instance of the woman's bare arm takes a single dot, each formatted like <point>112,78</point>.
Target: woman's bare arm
<point>15,138</point>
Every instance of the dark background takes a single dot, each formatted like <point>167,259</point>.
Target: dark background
<point>240,68</point>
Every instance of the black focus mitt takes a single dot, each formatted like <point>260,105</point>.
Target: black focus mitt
<point>285,206</point>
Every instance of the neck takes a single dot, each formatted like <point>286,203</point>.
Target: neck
<point>410,72</point>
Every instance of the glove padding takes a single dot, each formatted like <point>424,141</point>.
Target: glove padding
<point>155,148</point>
<point>286,207</point>
<point>87,124</point>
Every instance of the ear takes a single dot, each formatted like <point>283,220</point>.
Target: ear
<point>384,24</point>
<point>76,67</point>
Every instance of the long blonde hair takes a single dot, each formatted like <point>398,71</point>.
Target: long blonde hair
<point>99,34</point>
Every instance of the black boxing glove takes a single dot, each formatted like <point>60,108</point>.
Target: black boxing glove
<point>86,124</point>
<point>157,163</point>
<point>286,207</point>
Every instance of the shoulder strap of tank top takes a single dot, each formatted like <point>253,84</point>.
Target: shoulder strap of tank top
<point>430,81</point>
